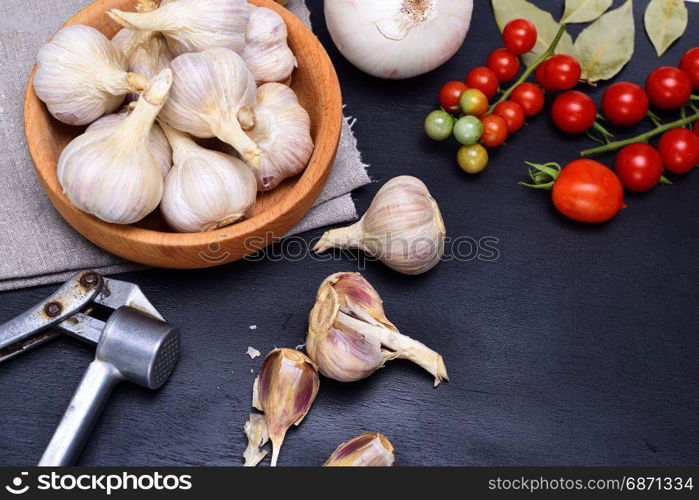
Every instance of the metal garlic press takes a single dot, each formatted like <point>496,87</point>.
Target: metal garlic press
<point>133,341</point>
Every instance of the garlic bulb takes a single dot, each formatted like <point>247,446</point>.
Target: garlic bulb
<point>285,390</point>
<point>212,96</point>
<point>398,38</point>
<point>146,52</point>
<point>349,336</point>
<point>256,431</point>
<point>403,228</point>
<point>80,75</point>
<point>111,172</point>
<point>282,131</point>
<point>205,189</point>
<point>370,449</point>
<point>193,25</point>
<point>158,143</point>
<point>266,52</point>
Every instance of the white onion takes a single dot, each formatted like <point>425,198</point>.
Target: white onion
<point>398,38</point>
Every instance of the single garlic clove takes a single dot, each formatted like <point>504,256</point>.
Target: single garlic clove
<point>256,431</point>
<point>349,336</point>
<point>213,90</point>
<point>80,75</point>
<point>193,25</point>
<point>205,190</point>
<point>282,131</point>
<point>159,145</point>
<point>266,52</point>
<point>370,449</point>
<point>285,390</point>
<point>403,228</point>
<point>111,173</point>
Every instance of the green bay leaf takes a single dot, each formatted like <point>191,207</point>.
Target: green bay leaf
<point>583,11</point>
<point>665,22</point>
<point>607,45</point>
<point>546,26</point>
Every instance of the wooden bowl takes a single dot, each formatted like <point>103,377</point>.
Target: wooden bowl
<point>150,241</point>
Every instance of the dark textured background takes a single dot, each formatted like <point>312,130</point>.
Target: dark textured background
<point>577,346</point>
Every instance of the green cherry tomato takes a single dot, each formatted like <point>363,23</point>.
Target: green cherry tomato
<point>439,125</point>
<point>473,102</point>
<point>468,130</point>
<point>472,159</point>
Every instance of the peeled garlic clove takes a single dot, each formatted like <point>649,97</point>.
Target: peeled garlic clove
<point>111,173</point>
<point>370,449</point>
<point>349,336</point>
<point>158,143</point>
<point>403,228</point>
<point>256,431</point>
<point>212,93</point>
<point>193,25</point>
<point>282,131</point>
<point>80,75</point>
<point>284,391</point>
<point>205,190</point>
<point>266,52</point>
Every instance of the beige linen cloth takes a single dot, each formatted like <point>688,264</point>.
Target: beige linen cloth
<point>36,246</point>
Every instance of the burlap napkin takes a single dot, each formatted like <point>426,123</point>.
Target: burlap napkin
<point>36,246</point>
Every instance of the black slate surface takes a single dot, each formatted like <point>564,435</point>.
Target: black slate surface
<point>576,346</point>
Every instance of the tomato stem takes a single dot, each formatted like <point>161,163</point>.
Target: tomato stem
<point>654,118</point>
<point>694,97</point>
<point>605,133</point>
<point>613,146</point>
<point>665,180</point>
<point>544,175</point>
<point>531,68</point>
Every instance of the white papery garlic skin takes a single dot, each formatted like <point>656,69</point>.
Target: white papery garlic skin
<point>159,145</point>
<point>111,172</point>
<point>205,189</point>
<point>403,228</point>
<point>283,133</point>
<point>398,38</point>
<point>80,75</point>
<point>212,96</point>
<point>193,25</point>
<point>266,52</point>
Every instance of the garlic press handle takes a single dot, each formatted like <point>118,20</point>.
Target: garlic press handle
<point>16,335</point>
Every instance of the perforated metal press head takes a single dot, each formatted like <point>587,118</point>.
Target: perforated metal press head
<point>143,349</point>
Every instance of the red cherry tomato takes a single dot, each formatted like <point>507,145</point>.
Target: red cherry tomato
<point>574,112</point>
<point>504,64</point>
<point>494,131</point>
<point>639,167</point>
<point>696,128</point>
<point>668,87</point>
<point>679,149</point>
<point>588,191</point>
<point>561,72</point>
<point>483,79</point>
<point>519,36</point>
<point>690,65</point>
<point>625,104</point>
<point>512,113</point>
<point>530,97</point>
<point>449,96</point>
<point>540,76</point>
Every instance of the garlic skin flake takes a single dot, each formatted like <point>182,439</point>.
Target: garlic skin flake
<point>285,390</point>
<point>212,96</point>
<point>266,52</point>
<point>282,131</point>
<point>80,75</point>
<point>398,38</point>
<point>193,25</point>
<point>158,143</point>
<point>403,228</point>
<point>205,190</point>
<point>370,449</point>
<point>111,173</point>
<point>256,431</point>
<point>349,336</point>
